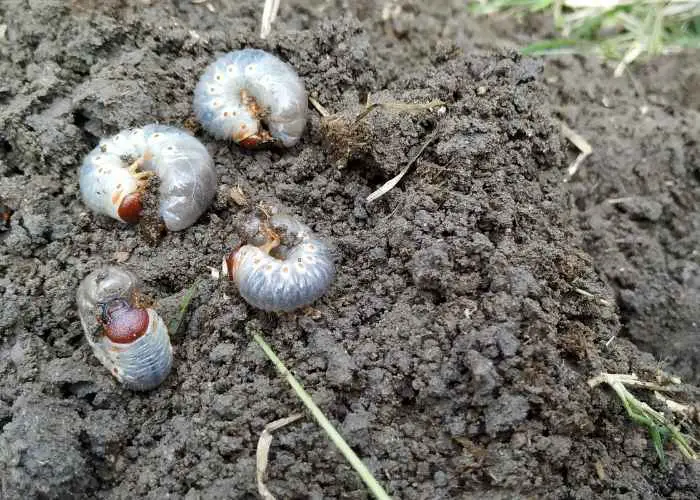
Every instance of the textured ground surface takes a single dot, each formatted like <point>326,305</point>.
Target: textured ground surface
<point>638,197</point>
<point>452,350</point>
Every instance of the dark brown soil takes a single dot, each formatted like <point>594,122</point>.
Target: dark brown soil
<point>638,196</point>
<point>453,349</point>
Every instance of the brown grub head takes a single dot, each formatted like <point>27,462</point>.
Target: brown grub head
<point>121,323</point>
<point>250,142</point>
<point>130,208</point>
<point>231,264</point>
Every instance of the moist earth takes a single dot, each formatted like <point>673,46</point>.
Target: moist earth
<point>638,199</point>
<point>472,302</point>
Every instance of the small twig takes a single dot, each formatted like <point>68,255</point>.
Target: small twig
<point>325,424</point>
<point>182,309</point>
<point>589,295</point>
<point>633,381</point>
<point>263,450</point>
<point>689,411</point>
<point>268,17</point>
<point>390,184</point>
<point>238,196</point>
<point>319,107</point>
<point>399,107</point>
<point>583,146</point>
<point>617,201</point>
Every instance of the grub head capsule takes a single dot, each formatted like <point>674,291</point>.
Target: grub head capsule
<point>114,176</point>
<point>292,270</point>
<point>131,341</point>
<point>121,323</point>
<point>253,98</point>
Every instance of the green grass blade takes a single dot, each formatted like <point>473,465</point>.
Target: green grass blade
<point>627,32</point>
<point>176,323</point>
<point>552,47</point>
<point>494,6</point>
<point>658,444</point>
<point>357,464</point>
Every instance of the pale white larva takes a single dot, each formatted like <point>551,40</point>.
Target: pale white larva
<point>252,97</point>
<point>298,273</point>
<point>114,175</point>
<point>132,342</point>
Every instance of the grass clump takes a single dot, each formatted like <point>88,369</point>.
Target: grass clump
<point>622,30</point>
<point>658,424</point>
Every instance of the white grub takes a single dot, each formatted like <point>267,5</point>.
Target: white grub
<point>291,270</point>
<point>130,341</point>
<point>115,174</point>
<point>252,98</point>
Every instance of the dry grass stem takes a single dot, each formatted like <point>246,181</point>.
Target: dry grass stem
<point>261,455</point>
<point>691,412</point>
<point>391,183</point>
<point>592,296</point>
<point>400,107</point>
<point>583,146</point>
<point>319,107</point>
<point>268,17</point>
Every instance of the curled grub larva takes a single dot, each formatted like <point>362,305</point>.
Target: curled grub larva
<point>131,341</point>
<point>291,270</point>
<point>252,97</point>
<point>115,174</point>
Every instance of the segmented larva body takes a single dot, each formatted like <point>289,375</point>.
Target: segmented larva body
<point>130,341</point>
<point>252,97</point>
<point>302,274</point>
<point>114,175</point>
